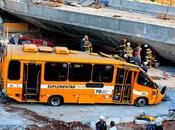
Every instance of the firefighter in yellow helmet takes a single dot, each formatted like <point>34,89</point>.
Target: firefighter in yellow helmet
<point>149,56</point>
<point>128,50</point>
<point>85,44</point>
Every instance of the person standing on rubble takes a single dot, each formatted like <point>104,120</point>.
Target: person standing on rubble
<point>123,44</point>
<point>85,44</point>
<point>12,40</point>
<point>135,59</point>
<point>20,40</point>
<point>139,49</point>
<point>128,50</point>
<point>101,124</point>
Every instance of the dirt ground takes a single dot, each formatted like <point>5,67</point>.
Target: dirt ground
<point>45,123</point>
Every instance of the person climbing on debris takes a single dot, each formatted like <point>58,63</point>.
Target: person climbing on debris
<point>12,40</point>
<point>128,50</point>
<point>123,44</point>
<point>120,48</point>
<point>135,59</point>
<point>101,124</point>
<point>85,44</point>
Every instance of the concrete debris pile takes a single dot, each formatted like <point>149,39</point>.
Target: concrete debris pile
<point>50,3</point>
<point>155,121</point>
<point>164,16</point>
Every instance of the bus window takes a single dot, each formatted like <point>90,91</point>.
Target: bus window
<point>102,73</point>
<point>80,72</point>
<point>129,77</point>
<point>55,71</point>
<point>14,70</point>
<point>144,80</point>
<point>120,76</point>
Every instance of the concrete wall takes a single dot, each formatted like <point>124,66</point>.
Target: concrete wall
<point>142,7</point>
<point>108,24</point>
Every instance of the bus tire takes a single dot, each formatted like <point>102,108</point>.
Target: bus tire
<point>141,102</point>
<point>55,100</point>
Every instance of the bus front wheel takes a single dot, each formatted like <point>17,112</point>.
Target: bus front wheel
<point>141,102</point>
<point>55,100</point>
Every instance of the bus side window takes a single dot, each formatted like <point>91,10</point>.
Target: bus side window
<point>80,72</point>
<point>129,77</point>
<point>14,70</point>
<point>102,73</point>
<point>55,71</point>
<point>143,80</point>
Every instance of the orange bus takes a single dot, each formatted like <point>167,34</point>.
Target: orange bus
<point>58,75</point>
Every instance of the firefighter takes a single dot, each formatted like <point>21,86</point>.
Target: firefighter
<point>85,44</point>
<point>149,56</point>
<point>128,50</point>
<point>143,53</point>
<point>123,44</point>
<point>101,124</point>
<point>12,40</point>
<point>20,40</point>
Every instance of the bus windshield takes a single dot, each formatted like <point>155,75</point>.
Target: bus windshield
<point>143,79</point>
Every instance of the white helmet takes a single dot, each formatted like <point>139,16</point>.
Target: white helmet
<point>145,63</point>
<point>125,56</point>
<point>102,117</point>
<point>145,45</point>
<point>128,44</point>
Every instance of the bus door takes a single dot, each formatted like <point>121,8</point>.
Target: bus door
<point>31,81</point>
<point>122,90</point>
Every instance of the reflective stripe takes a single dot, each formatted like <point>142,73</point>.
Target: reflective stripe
<point>140,93</point>
<point>14,85</point>
<point>73,86</point>
<point>104,90</point>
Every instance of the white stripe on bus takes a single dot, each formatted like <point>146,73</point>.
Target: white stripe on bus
<point>14,85</point>
<point>104,90</point>
<point>140,93</point>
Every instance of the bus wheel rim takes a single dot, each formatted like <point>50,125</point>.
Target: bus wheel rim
<point>141,102</point>
<point>55,101</point>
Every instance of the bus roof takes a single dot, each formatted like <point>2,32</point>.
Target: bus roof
<point>16,52</point>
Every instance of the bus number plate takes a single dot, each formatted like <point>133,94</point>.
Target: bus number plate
<point>99,91</point>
